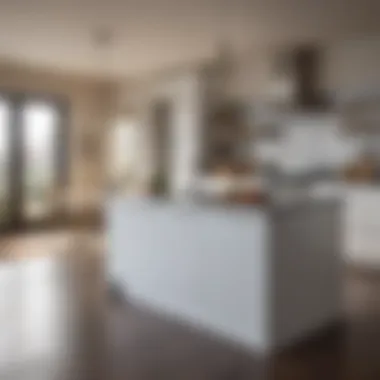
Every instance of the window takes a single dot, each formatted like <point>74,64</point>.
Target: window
<point>124,155</point>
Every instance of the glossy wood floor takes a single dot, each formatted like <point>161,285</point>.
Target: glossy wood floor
<point>56,322</point>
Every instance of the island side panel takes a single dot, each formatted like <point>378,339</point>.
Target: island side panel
<point>208,266</point>
<point>307,277</point>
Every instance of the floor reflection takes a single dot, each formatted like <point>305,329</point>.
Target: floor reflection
<point>44,318</point>
<point>33,311</point>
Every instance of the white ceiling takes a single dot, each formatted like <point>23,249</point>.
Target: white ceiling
<point>153,34</point>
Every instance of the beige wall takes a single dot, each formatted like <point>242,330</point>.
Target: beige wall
<point>354,65</point>
<point>91,105</point>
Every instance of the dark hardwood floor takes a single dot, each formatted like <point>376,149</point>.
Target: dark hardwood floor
<point>57,323</point>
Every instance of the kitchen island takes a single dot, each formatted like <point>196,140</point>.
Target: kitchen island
<point>262,276</point>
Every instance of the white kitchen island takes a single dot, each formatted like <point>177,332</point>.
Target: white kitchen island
<point>264,277</point>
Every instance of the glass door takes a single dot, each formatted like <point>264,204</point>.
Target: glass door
<point>32,161</point>
<point>40,152</point>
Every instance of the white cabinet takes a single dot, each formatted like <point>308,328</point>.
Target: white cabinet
<point>362,225</point>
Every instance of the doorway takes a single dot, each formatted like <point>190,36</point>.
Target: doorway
<point>161,115</point>
<point>32,160</point>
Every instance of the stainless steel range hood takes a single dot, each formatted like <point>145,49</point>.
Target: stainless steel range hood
<point>301,65</point>
<point>307,63</point>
